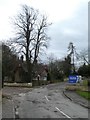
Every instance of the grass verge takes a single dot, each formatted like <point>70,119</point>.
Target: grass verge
<point>84,94</point>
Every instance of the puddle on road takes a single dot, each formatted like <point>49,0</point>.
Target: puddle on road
<point>55,111</point>
<point>38,92</point>
<point>50,94</point>
<point>35,102</point>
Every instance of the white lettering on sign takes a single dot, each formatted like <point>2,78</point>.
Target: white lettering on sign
<point>74,78</point>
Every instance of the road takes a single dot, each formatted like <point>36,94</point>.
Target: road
<point>43,102</point>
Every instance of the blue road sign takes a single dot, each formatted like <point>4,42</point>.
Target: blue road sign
<point>73,78</point>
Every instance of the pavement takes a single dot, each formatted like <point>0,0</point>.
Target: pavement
<point>73,96</point>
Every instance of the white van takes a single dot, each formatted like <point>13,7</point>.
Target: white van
<point>79,80</point>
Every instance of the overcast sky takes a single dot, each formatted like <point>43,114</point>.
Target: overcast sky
<point>69,18</point>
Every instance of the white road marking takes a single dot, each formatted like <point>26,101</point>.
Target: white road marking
<point>13,109</point>
<point>46,98</point>
<point>59,109</point>
<point>62,112</point>
<point>16,112</point>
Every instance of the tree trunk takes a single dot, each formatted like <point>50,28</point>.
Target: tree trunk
<point>29,67</point>
<point>29,73</point>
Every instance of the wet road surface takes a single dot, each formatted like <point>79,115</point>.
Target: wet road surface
<point>44,102</point>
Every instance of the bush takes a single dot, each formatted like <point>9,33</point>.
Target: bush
<point>84,70</point>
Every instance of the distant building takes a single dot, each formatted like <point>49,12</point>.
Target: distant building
<point>40,69</point>
<point>20,73</point>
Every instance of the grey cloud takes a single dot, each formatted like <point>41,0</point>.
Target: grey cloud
<point>78,25</point>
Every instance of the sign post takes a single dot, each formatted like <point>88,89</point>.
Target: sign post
<point>73,79</point>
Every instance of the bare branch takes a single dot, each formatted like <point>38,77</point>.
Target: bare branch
<point>31,37</point>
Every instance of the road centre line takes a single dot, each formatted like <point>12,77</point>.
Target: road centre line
<point>62,112</point>
<point>59,110</point>
<point>46,98</point>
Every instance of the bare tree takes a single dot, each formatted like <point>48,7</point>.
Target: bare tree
<point>31,37</point>
<point>83,56</point>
